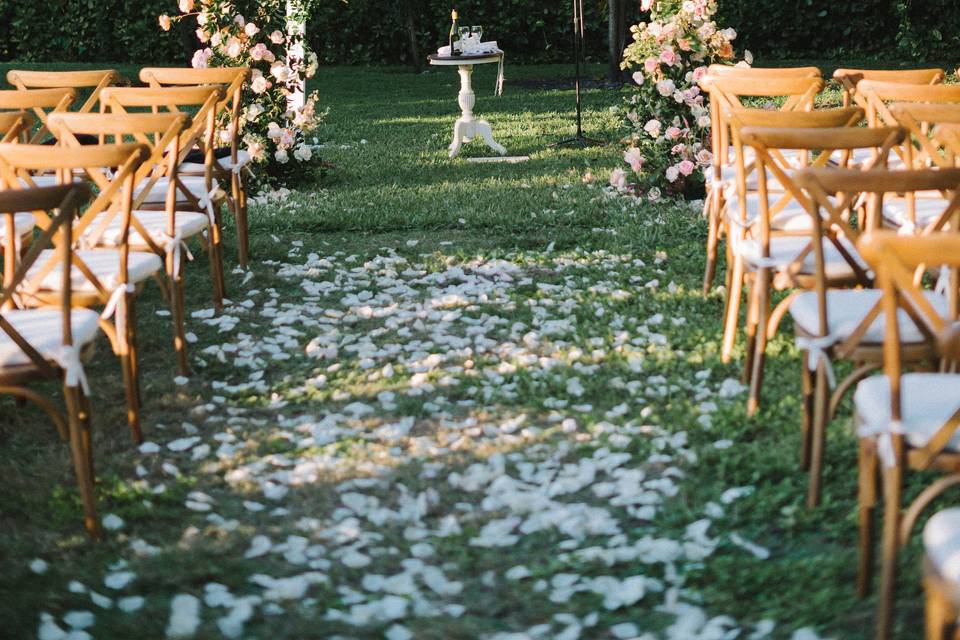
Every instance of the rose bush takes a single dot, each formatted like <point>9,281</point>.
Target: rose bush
<point>282,139</point>
<point>667,115</point>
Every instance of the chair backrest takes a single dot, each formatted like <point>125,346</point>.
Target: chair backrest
<point>926,124</point>
<point>66,200</point>
<point>111,167</point>
<point>828,215</point>
<point>727,70</point>
<point>833,191</point>
<point>848,79</point>
<point>158,132</point>
<point>895,258</point>
<point>727,93</point>
<point>878,95</point>
<point>199,101</point>
<point>813,128</point>
<point>13,124</point>
<point>41,102</point>
<point>94,81</point>
<point>230,79</point>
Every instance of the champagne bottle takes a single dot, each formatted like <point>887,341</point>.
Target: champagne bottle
<point>454,51</point>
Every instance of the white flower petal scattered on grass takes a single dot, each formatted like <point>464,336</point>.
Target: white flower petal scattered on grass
<point>39,566</point>
<point>184,616</point>
<point>79,619</point>
<point>131,604</point>
<point>119,580</point>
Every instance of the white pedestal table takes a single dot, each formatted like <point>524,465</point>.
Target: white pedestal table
<point>467,127</point>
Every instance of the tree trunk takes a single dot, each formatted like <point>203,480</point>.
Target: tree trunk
<point>614,39</point>
<point>412,36</point>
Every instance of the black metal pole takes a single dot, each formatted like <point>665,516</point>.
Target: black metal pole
<point>578,38</point>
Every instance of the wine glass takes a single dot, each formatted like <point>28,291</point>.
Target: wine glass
<point>478,32</point>
<point>464,34</point>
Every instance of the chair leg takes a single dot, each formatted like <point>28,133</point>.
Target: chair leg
<point>713,234</point>
<point>240,218</point>
<point>821,403</point>
<point>130,383</point>
<point>215,254</point>
<point>867,499</point>
<point>178,317</point>
<point>734,293</point>
<point>750,332</point>
<point>806,418</point>
<point>760,348</point>
<point>81,451</point>
<point>940,612</point>
<point>892,488</point>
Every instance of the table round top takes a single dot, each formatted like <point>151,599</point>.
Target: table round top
<point>459,61</point>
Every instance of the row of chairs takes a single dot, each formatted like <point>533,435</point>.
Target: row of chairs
<point>97,199</point>
<point>852,214</point>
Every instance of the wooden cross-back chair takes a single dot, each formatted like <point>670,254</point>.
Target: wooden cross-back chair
<point>906,421</point>
<point>193,193</point>
<point>941,580</point>
<point>847,324</point>
<point>40,102</point>
<point>163,232</point>
<point>848,79</point>
<point>108,278</point>
<point>93,81</point>
<point>51,343</point>
<point>230,161</point>
<point>785,260</point>
<point>933,142</point>
<point>797,87</point>
<point>13,125</point>
<point>743,212</point>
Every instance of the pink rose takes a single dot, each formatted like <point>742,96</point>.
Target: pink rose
<point>673,133</point>
<point>201,58</point>
<point>633,157</point>
<point>251,29</point>
<point>186,6</point>
<point>618,179</point>
<point>668,57</point>
<point>164,21</point>
<point>686,167</point>
<point>259,51</point>
<point>277,37</point>
<point>650,65</point>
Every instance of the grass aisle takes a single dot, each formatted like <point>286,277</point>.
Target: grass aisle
<point>450,400</point>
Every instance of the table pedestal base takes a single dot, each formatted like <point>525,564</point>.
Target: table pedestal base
<point>466,130</point>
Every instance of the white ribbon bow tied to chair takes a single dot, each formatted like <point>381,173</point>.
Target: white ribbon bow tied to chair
<point>207,202</point>
<point>884,435</point>
<point>74,375</point>
<point>175,245</point>
<point>117,306</point>
<point>816,348</point>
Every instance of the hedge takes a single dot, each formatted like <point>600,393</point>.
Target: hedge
<point>377,31</point>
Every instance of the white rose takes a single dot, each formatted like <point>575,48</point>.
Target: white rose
<point>672,174</point>
<point>281,156</point>
<point>303,153</point>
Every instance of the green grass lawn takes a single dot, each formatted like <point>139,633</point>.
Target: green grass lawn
<point>449,400</point>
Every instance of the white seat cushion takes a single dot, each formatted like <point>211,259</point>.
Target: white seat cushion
<point>847,308</point>
<point>23,223</point>
<point>158,193</point>
<point>941,542</point>
<point>928,400</point>
<point>43,330</point>
<point>189,223</point>
<point>105,264</point>
<point>784,250</point>
<point>927,210</point>
<point>793,217</point>
<point>197,168</point>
